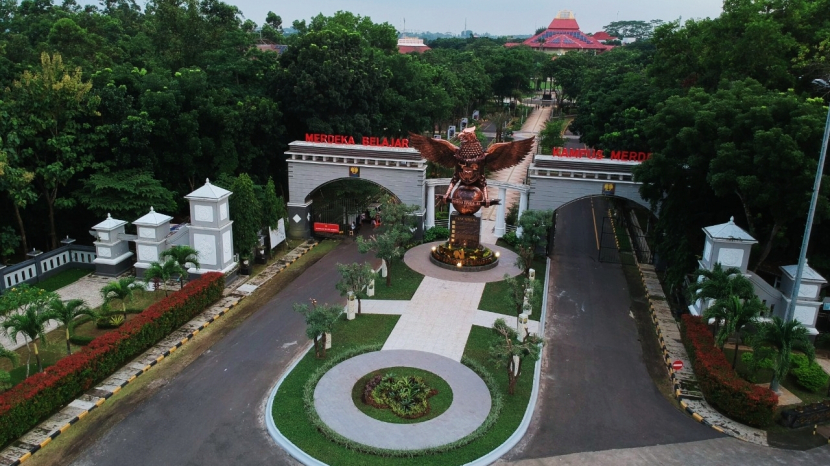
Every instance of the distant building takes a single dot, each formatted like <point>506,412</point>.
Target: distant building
<point>563,35</point>
<point>412,44</point>
<point>269,47</point>
<point>604,36</point>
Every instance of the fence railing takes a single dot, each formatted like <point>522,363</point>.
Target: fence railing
<point>47,264</point>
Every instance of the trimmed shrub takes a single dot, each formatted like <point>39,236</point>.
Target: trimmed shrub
<point>40,395</point>
<point>435,234</point>
<point>809,375</point>
<point>80,340</point>
<point>511,238</point>
<point>720,384</point>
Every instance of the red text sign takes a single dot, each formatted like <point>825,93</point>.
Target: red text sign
<point>366,141</point>
<point>631,156</point>
<point>326,227</point>
<point>677,365</point>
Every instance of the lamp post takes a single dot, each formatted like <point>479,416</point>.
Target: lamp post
<point>802,259</point>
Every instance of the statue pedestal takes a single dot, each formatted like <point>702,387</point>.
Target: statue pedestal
<point>465,230</point>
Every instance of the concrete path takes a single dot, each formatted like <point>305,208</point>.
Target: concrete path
<point>470,405</point>
<point>438,319</point>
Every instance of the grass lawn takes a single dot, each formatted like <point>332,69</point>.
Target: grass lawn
<point>496,299</point>
<point>438,403</point>
<point>404,282</point>
<point>292,420</point>
<point>67,277</point>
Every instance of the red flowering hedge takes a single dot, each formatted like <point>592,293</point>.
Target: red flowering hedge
<point>723,388</point>
<point>37,397</point>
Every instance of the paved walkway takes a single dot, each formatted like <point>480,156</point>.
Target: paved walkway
<point>470,406</point>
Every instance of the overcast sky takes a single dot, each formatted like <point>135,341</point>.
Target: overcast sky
<point>496,17</point>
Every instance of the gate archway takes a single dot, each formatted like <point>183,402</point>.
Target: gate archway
<point>311,165</point>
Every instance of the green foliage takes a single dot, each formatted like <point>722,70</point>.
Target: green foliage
<point>246,215</point>
<point>24,296</point>
<point>158,273</point>
<point>10,355</point>
<point>735,313</point>
<point>110,321</point>
<point>511,238</point>
<point>506,351</point>
<point>125,194</point>
<point>551,135</point>
<point>319,321</point>
<point>783,337</point>
<point>632,29</point>
<point>9,242</point>
<point>273,208</point>
<point>435,234</point>
<point>30,320</point>
<point>809,374</point>
<point>121,289</point>
<point>407,396</point>
<point>185,257</point>
<point>66,313</point>
<point>354,278</point>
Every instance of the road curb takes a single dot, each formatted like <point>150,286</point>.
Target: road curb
<point>674,350</point>
<point>41,435</point>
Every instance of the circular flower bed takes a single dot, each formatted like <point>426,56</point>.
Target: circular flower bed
<point>407,396</point>
<point>467,257</point>
<point>413,396</point>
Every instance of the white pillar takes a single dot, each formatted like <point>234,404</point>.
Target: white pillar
<point>328,340</point>
<point>430,206</point>
<point>499,231</point>
<point>370,290</point>
<point>351,306</point>
<point>522,208</point>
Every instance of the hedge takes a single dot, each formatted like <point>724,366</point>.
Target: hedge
<point>809,374</point>
<point>28,403</point>
<point>720,384</point>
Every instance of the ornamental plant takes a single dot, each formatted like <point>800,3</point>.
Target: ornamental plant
<point>40,395</point>
<point>720,384</point>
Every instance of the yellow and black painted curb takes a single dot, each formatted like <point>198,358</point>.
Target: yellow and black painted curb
<point>668,360</point>
<point>31,449</point>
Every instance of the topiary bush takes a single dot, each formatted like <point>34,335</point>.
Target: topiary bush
<point>809,375</point>
<point>511,238</point>
<point>720,384</point>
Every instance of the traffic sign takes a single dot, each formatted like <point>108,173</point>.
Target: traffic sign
<point>677,365</point>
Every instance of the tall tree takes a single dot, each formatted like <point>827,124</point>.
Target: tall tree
<point>47,129</point>
<point>385,246</point>
<point>30,321</point>
<point>535,225</point>
<point>246,215</point>
<point>736,314</point>
<point>125,194</point>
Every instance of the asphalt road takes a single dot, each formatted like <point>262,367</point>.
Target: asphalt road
<point>597,392</point>
<point>211,413</point>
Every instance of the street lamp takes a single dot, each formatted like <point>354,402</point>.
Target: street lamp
<point>802,259</point>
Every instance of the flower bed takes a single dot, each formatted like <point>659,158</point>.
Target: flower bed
<point>37,397</point>
<point>720,384</point>
<point>407,396</point>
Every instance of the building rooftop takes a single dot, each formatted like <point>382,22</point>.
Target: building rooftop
<point>729,231</point>
<point>209,191</point>
<point>808,274</point>
<point>412,44</point>
<point>563,34</point>
<point>109,224</point>
<point>152,219</point>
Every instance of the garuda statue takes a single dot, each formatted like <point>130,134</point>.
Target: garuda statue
<point>469,162</point>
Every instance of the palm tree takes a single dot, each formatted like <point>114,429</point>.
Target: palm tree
<point>10,355</point>
<point>783,337</point>
<point>158,272</point>
<point>121,289</point>
<point>67,312</point>
<point>735,313</point>
<point>31,323</point>
<point>719,283</point>
<point>183,255</point>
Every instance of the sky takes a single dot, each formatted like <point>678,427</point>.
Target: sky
<point>483,16</point>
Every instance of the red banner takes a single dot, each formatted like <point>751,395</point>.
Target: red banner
<point>326,227</point>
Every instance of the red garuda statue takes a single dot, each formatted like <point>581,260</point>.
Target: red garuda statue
<point>469,162</point>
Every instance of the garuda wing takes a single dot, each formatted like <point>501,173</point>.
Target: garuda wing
<point>506,154</point>
<point>435,150</point>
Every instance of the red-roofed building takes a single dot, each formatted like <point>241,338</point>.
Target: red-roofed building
<point>563,35</point>
<point>604,36</point>
<point>411,44</point>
